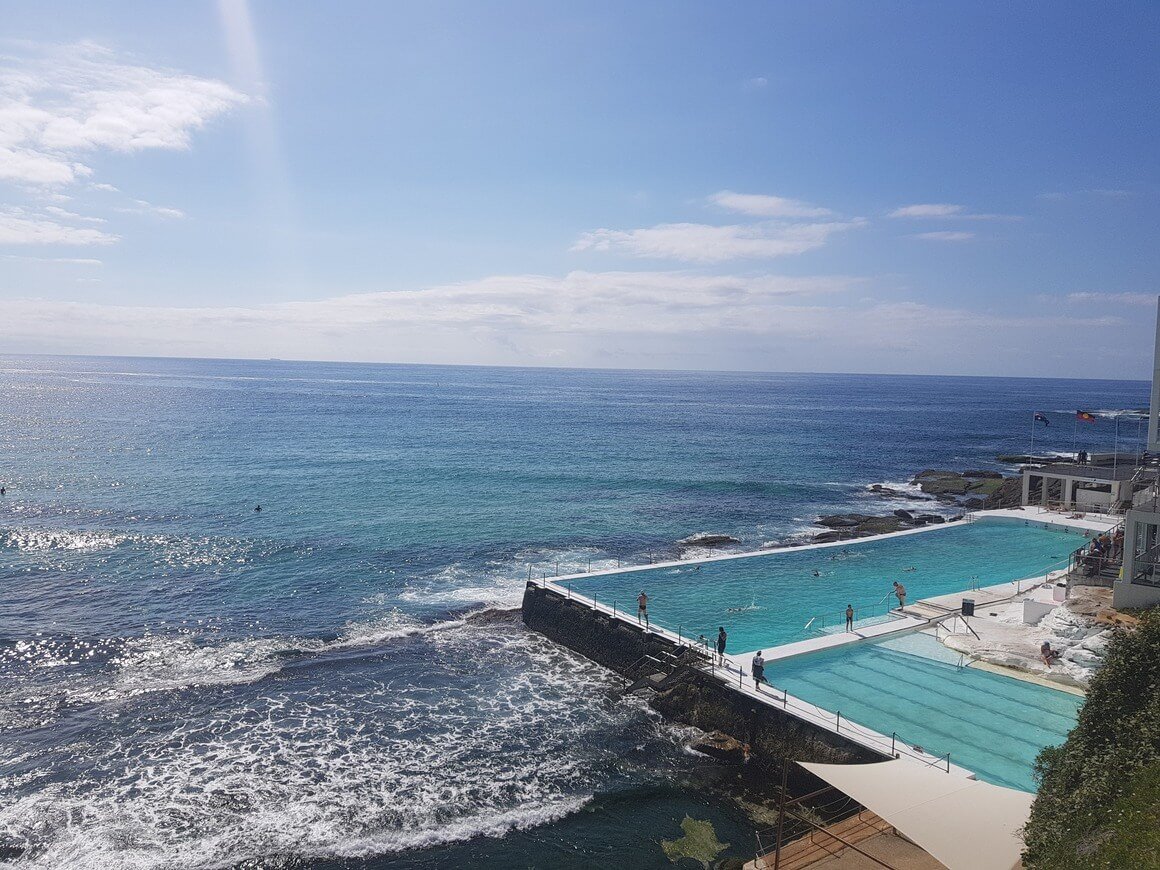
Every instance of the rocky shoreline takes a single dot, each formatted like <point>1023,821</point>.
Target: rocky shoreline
<point>961,490</point>
<point>951,493</point>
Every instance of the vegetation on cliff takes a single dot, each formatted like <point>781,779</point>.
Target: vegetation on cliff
<point>1099,798</point>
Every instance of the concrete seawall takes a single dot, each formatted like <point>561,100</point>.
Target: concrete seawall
<point>692,696</point>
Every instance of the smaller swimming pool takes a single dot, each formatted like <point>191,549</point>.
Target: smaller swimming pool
<point>913,685</point>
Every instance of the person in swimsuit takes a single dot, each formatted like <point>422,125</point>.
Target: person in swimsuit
<point>642,608</point>
<point>722,637</point>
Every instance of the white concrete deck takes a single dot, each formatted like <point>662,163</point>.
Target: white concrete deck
<point>734,673</point>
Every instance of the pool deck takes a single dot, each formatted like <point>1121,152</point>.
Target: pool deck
<point>922,614</point>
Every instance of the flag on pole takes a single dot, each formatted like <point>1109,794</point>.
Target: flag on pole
<point>1085,416</point>
<point>1041,418</point>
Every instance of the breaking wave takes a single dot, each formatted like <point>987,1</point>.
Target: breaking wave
<point>345,766</point>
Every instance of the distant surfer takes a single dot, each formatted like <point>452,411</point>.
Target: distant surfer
<point>3,490</point>
<point>817,573</point>
<point>642,608</point>
<point>257,509</point>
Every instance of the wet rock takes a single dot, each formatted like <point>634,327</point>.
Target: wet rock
<point>994,475</point>
<point>1009,493</point>
<point>706,539</point>
<point>931,518</point>
<point>721,746</point>
<point>890,492</point>
<point>826,537</point>
<point>843,521</point>
<point>956,485</point>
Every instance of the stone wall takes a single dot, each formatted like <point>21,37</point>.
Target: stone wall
<point>696,698</point>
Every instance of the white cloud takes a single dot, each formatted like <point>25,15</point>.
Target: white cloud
<point>946,210</point>
<point>64,102</point>
<point>756,83</point>
<point>1090,298</point>
<point>671,319</point>
<point>70,261</point>
<point>140,206</point>
<point>64,214</point>
<point>702,243</point>
<point>945,236</point>
<point>20,228</point>
<point>925,210</point>
<point>763,205</point>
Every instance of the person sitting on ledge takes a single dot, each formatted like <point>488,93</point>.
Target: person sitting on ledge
<point>1049,655</point>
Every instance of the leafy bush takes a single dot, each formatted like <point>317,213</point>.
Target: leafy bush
<point>1100,791</point>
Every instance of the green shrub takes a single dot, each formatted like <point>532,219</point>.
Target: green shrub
<point>1099,791</point>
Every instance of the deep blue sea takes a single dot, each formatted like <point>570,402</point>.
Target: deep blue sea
<point>186,682</point>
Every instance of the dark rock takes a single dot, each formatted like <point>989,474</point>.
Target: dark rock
<point>722,747</point>
<point>890,492</point>
<point>1023,458</point>
<point>707,540</point>
<point>826,537</point>
<point>991,474</point>
<point>931,518</point>
<point>1008,494</point>
<point>973,503</point>
<point>843,521</point>
<point>928,473</point>
<point>904,515</point>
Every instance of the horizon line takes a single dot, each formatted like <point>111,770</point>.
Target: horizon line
<point>709,371</point>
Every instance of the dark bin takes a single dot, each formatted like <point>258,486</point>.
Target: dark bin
<point>968,607</point>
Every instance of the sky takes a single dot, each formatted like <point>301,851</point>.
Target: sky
<point>933,188</point>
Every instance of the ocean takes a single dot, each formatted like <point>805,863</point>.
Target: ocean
<point>338,680</point>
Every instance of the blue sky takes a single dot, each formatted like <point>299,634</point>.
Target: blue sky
<point>828,186</point>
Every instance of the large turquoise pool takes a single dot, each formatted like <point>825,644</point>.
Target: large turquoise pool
<point>768,599</point>
<point>991,724</point>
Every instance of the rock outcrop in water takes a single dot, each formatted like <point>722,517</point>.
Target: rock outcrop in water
<point>707,539</point>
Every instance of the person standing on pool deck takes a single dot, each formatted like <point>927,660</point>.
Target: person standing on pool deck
<point>642,608</point>
<point>900,591</point>
<point>849,617</point>
<point>758,668</point>
<point>722,637</point>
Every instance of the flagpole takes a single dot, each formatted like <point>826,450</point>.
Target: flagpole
<point>1116,448</point>
<point>1031,451</point>
<point>1074,432</point>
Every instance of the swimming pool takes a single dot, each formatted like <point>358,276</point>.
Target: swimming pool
<point>767,599</point>
<point>991,724</point>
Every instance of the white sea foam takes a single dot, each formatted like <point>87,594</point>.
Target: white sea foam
<point>338,770</point>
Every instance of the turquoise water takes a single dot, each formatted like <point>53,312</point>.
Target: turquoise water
<point>767,600</point>
<point>990,724</point>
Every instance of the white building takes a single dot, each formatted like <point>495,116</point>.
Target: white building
<point>1139,583</point>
